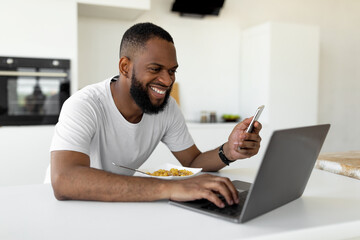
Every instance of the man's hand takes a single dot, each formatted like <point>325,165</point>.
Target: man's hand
<point>241,144</point>
<point>205,186</point>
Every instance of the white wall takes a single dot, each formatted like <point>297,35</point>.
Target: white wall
<point>98,48</point>
<point>280,62</point>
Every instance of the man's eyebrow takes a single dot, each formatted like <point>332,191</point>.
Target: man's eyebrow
<point>162,66</point>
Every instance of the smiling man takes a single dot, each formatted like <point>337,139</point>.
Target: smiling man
<point>122,120</point>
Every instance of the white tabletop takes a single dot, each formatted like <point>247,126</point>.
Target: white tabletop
<point>330,207</point>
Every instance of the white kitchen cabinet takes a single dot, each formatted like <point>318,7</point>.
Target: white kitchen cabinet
<point>113,9</point>
<point>279,69</point>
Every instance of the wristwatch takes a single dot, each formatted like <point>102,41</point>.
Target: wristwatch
<point>222,156</point>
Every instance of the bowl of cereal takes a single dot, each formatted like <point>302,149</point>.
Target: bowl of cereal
<point>171,171</point>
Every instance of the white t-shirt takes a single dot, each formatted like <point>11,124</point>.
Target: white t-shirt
<point>90,123</point>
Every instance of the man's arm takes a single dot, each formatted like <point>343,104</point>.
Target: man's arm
<point>73,178</point>
<point>249,144</point>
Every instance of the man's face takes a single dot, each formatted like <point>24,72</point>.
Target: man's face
<point>141,97</point>
<point>153,75</point>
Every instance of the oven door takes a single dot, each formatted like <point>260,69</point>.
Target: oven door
<point>32,96</point>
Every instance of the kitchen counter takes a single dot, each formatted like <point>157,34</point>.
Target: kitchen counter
<point>344,163</point>
<point>329,209</point>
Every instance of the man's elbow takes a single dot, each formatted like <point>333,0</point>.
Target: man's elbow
<point>58,183</point>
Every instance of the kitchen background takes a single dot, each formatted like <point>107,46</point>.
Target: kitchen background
<point>210,52</point>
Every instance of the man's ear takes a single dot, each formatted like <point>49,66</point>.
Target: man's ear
<point>124,66</point>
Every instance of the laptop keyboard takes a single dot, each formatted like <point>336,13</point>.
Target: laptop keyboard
<point>229,210</point>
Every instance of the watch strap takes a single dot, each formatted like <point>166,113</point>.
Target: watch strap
<point>222,156</point>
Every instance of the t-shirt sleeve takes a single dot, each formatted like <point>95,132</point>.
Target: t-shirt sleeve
<point>177,136</point>
<point>75,128</point>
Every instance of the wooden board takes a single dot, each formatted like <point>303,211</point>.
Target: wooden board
<point>175,92</point>
<point>344,163</point>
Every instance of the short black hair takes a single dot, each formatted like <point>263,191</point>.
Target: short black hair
<point>136,37</point>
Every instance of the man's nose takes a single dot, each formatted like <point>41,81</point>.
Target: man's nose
<point>166,78</point>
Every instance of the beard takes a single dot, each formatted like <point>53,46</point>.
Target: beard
<point>142,99</point>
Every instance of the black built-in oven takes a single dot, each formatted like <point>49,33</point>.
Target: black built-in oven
<point>32,90</point>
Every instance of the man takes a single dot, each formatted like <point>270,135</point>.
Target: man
<point>122,120</point>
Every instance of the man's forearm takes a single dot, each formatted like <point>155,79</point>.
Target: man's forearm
<point>84,183</point>
<point>209,161</point>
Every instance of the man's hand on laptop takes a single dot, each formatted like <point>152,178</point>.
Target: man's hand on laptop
<point>242,144</point>
<point>205,186</point>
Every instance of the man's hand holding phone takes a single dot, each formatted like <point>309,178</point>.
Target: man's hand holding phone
<point>244,140</point>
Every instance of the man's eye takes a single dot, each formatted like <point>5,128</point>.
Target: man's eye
<point>172,72</point>
<point>154,69</point>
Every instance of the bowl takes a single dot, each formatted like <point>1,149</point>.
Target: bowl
<point>168,166</point>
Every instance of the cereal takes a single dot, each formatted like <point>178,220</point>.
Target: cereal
<point>172,172</point>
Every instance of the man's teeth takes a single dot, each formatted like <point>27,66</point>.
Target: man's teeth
<point>158,90</point>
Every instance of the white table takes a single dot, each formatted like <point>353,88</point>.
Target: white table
<point>329,209</point>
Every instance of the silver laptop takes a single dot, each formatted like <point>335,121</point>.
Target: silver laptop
<point>282,176</point>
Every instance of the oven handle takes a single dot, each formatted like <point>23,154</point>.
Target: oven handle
<point>32,74</point>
